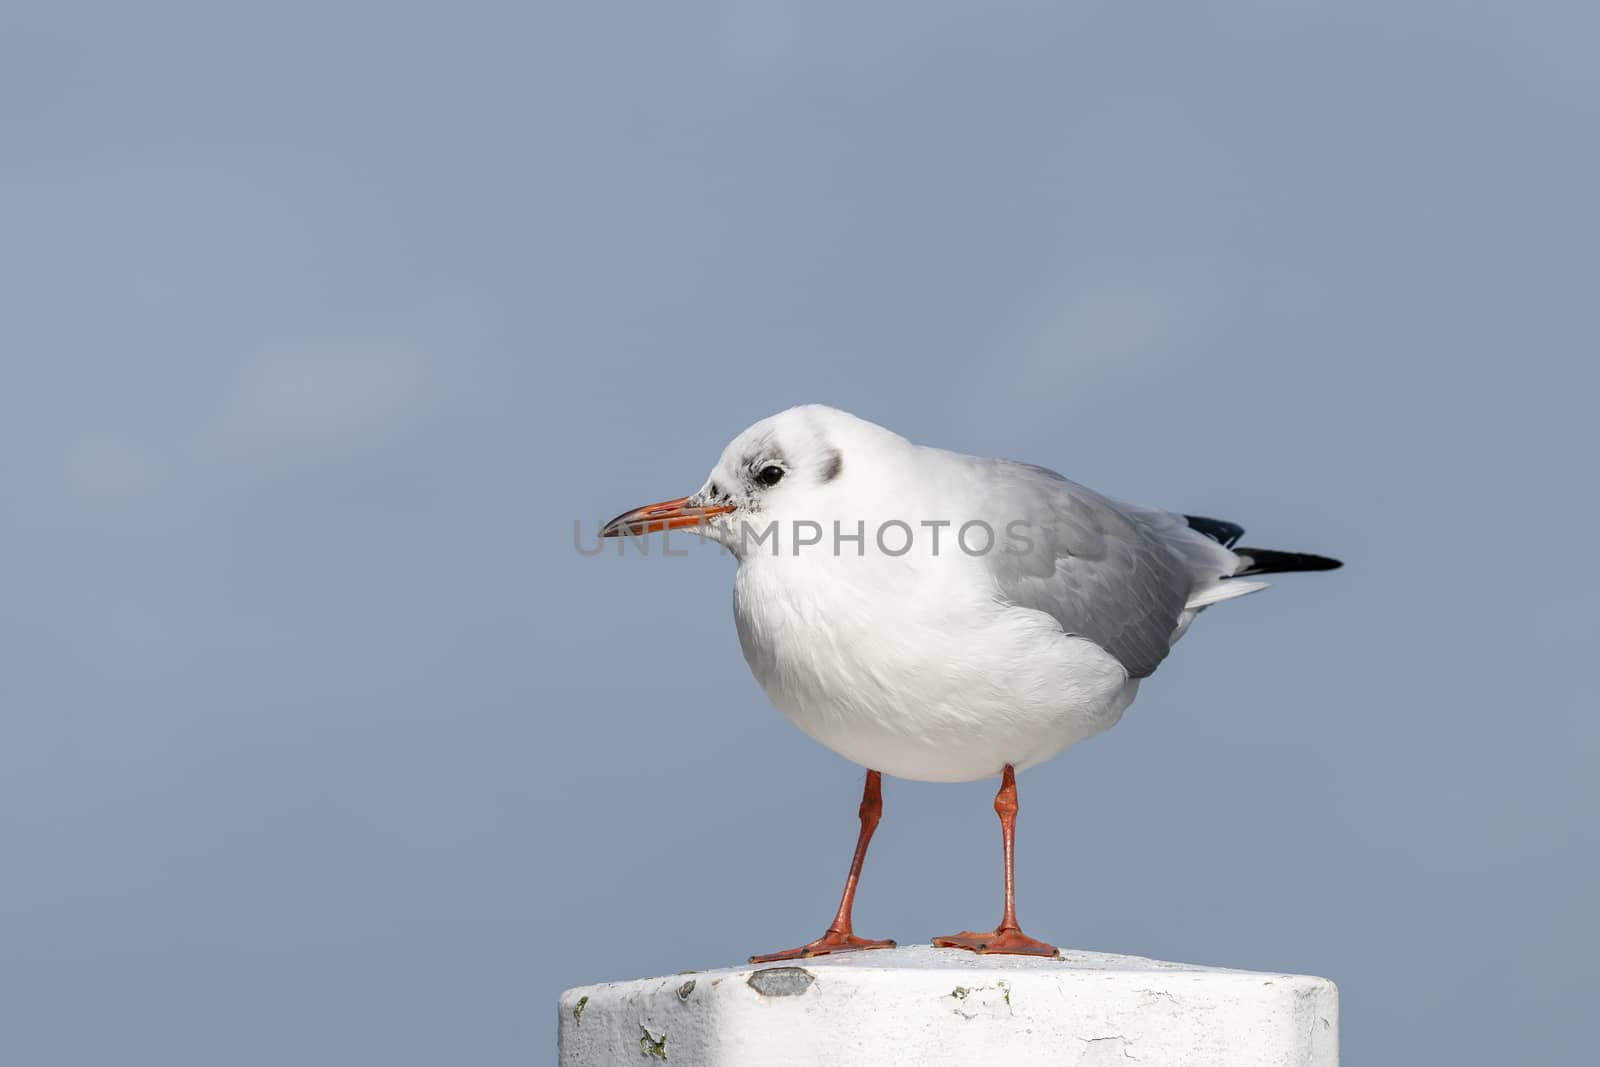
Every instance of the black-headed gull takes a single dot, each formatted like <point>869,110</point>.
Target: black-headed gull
<point>944,618</point>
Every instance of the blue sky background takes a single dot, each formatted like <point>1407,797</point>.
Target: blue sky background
<point>320,744</point>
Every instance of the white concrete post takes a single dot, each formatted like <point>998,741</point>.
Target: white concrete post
<point>926,1006</point>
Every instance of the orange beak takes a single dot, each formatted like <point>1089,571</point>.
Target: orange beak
<point>667,515</point>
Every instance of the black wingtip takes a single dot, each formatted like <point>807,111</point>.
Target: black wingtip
<point>1221,531</point>
<point>1271,561</point>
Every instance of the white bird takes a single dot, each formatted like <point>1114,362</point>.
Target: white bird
<point>941,617</point>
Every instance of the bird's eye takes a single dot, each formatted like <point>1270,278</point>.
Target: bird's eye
<point>770,475</point>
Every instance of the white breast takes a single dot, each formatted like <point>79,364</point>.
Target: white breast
<point>911,668</point>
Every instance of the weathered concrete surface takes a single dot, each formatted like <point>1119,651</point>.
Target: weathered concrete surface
<point>922,1005</point>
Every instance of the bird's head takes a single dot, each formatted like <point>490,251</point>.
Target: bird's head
<point>789,466</point>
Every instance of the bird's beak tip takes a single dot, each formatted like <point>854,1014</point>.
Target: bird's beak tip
<point>667,515</point>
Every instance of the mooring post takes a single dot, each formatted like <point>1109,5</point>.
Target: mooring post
<point>926,1006</point>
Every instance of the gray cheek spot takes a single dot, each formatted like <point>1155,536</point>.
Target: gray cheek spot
<point>833,466</point>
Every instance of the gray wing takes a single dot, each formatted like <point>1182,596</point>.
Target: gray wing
<point>1103,570</point>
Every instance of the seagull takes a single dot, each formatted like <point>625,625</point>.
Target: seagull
<point>945,618</point>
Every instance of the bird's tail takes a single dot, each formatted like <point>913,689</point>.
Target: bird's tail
<point>1211,588</point>
<point>1271,561</point>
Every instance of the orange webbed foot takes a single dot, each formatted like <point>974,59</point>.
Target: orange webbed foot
<point>1007,940</point>
<point>832,941</point>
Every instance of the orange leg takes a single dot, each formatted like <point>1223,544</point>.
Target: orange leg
<point>840,937</point>
<point>1008,936</point>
